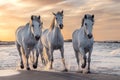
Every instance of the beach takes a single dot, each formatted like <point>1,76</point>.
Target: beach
<point>104,66</point>
<point>44,75</point>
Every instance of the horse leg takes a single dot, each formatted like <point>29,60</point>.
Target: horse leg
<point>63,60</point>
<point>42,57</point>
<point>32,57</point>
<point>27,52</point>
<point>89,60</point>
<point>51,58</point>
<point>40,51</point>
<point>36,62</point>
<point>20,54</point>
<point>48,55</point>
<point>27,57</point>
<point>77,59</point>
<point>83,56</point>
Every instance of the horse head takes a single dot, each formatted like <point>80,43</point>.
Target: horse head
<point>36,26</point>
<point>87,23</point>
<point>59,19</point>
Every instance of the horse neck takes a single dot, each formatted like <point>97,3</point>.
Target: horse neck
<point>82,31</point>
<point>56,31</point>
<point>54,26</point>
<point>29,32</point>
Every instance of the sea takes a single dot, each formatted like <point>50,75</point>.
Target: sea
<point>105,58</point>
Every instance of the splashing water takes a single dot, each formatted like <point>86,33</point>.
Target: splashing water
<point>105,58</point>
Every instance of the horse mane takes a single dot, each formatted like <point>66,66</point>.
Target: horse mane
<point>82,22</point>
<point>52,24</point>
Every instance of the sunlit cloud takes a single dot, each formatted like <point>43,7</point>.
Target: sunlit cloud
<point>14,13</point>
<point>2,2</point>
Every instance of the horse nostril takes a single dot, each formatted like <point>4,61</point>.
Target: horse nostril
<point>37,37</point>
<point>89,36</point>
<point>61,26</point>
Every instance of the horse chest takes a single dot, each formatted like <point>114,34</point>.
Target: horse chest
<point>58,42</point>
<point>56,38</point>
<point>31,43</point>
<point>87,44</point>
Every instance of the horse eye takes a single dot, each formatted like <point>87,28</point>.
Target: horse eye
<point>85,24</point>
<point>32,25</point>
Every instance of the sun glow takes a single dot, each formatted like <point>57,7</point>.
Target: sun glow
<point>2,2</point>
<point>7,35</point>
<point>14,13</point>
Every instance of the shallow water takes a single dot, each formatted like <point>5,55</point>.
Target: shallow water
<point>105,58</point>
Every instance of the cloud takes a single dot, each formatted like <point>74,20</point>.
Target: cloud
<point>14,13</point>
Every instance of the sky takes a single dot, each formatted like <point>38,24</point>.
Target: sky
<point>14,13</point>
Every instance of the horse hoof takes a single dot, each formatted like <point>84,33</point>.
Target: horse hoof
<point>83,65</point>
<point>28,68</point>
<point>22,66</point>
<point>65,70</point>
<point>34,66</point>
<point>88,72</point>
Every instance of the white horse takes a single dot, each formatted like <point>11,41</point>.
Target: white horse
<point>82,40</point>
<point>27,39</point>
<point>52,38</point>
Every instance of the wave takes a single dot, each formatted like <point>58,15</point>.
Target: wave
<point>115,52</point>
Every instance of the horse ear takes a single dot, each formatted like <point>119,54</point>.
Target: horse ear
<point>85,16</point>
<point>54,14</point>
<point>32,17</point>
<point>93,16</point>
<point>62,11</point>
<point>39,17</point>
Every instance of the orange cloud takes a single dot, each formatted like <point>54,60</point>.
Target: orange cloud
<point>14,13</point>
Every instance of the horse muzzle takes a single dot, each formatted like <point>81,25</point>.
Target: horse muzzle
<point>90,36</point>
<point>37,37</point>
<point>61,26</point>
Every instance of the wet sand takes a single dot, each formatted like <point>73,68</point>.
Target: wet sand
<point>44,75</point>
<point>105,65</point>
